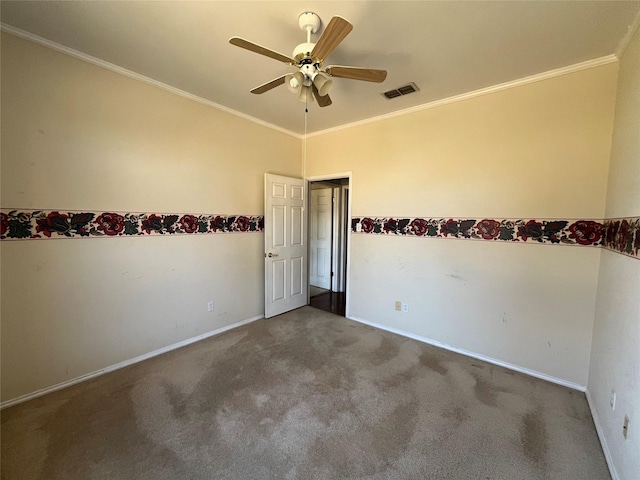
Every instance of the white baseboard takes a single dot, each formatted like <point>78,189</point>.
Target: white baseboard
<point>603,440</point>
<point>126,363</point>
<point>160,351</point>
<point>435,343</point>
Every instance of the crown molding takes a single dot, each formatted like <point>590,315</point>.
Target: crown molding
<point>437,103</point>
<point>558,72</point>
<point>624,43</point>
<point>136,76</point>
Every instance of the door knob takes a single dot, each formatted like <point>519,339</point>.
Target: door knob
<point>270,255</point>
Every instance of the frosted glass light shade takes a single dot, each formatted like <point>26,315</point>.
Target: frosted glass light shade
<point>323,84</point>
<point>294,82</point>
<point>306,95</point>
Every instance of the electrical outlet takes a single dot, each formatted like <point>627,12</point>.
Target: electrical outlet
<point>612,400</point>
<point>398,305</point>
<point>625,426</point>
<point>405,307</point>
<point>210,306</point>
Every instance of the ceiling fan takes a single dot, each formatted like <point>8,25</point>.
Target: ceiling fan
<point>311,79</point>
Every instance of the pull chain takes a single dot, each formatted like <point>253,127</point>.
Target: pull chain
<point>304,141</point>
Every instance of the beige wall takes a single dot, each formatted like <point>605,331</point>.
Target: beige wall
<point>81,137</point>
<point>615,356</point>
<point>534,151</point>
<point>84,137</point>
<point>538,150</point>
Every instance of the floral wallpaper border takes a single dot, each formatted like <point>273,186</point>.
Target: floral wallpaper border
<point>38,224</point>
<point>620,235</point>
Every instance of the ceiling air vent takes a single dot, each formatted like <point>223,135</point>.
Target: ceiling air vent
<point>403,90</point>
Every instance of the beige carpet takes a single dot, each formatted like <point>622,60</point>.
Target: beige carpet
<point>306,395</point>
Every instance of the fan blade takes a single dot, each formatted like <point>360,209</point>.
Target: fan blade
<point>356,73</point>
<point>265,87</point>
<point>335,32</point>
<point>254,47</point>
<point>322,101</point>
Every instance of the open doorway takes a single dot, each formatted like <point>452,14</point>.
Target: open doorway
<point>328,236</point>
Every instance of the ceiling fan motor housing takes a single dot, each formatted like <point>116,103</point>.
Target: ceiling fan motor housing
<point>302,52</point>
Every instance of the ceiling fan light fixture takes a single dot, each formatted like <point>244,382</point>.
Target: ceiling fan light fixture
<point>294,82</point>
<point>309,57</point>
<point>322,83</point>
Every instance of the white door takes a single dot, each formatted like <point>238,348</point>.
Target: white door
<point>320,237</point>
<point>285,257</point>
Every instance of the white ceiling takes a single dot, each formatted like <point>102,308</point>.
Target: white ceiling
<point>446,47</point>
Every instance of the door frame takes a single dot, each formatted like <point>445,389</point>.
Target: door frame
<point>320,178</point>
<point>339,239</point>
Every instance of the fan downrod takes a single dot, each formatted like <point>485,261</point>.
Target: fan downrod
<point>309,22</point>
